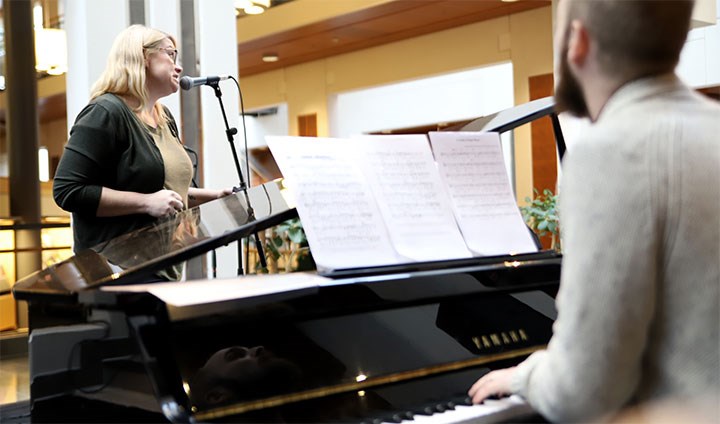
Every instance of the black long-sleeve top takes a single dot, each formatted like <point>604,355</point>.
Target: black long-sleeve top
<point>108,147</point>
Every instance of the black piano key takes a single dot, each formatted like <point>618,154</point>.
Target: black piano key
<point>405,415</point>
<point>400,417</point>
<point>421,410</point>
<point>461,400</point>
<point>428,410</point>
<point>397,417</point>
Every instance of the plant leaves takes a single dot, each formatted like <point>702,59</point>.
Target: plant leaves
<point>277,241</point>
<point>297,235</point>
<point>274,252</point>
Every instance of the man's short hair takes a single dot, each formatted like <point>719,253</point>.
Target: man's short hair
<point>635,37</point>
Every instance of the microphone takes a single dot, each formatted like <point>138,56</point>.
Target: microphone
<point>187,82</point>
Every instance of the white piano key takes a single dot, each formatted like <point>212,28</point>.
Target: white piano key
<point>493,410</point>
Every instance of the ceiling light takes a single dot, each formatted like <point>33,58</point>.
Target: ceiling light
<point>270,57</point>
<point>251,7</point>
<point>51,51</point>
<point>37,16</point>
<point>254,10</point>
<point>50,46</point>
<point>43,164</point>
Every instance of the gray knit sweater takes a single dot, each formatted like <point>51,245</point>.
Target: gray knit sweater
<point>639,295</point>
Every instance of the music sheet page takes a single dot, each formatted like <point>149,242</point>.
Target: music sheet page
<point>340,217</point>
<point>412,199</point>
<point>471,166</point>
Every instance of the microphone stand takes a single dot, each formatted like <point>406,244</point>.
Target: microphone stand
<point>230,132</point>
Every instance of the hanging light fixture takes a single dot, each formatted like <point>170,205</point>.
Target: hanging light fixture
<point>51,51</point>
<point>43,164</point>
<point>252,7</point>
<point>50,46</point>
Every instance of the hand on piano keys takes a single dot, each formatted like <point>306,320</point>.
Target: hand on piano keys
<point>494,383</point>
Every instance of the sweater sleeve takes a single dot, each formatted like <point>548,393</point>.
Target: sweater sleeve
<point>592,365</point>
<point>84,166</point>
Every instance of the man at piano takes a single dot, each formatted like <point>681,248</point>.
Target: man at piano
<point>640,202</point>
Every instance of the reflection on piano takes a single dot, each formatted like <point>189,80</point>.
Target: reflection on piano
<point>385,344</point>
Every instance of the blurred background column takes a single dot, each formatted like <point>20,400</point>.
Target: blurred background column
<point>22,136</point>
<point>217,54</point>
<point>91,27</point>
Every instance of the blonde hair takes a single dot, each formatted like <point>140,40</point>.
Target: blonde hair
<point>124,73</point>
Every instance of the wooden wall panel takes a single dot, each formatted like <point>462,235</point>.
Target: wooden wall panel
<point>307,125</point>
<point>544,150</point>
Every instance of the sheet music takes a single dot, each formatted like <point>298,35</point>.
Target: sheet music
<point>411,197</point>
<point>198,292</point>
<point>340,217</point>
<point>471,165</point>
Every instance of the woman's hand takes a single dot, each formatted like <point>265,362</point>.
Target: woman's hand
<point>120,203</point>
<point>494,383</point>
<point>198,196</point>
<point>224,192</point>
<point>162,203</point>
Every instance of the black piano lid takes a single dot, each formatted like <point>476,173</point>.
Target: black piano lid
<point>311,347</point>
<point>138,255</point>
<point>474,263</point>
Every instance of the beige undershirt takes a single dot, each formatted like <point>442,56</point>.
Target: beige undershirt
<point>178,167</point>
<point>178,176</point>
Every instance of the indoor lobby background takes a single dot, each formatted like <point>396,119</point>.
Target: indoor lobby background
<point>328,68</point>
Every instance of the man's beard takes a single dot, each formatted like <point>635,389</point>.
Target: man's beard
<point>568,94</point>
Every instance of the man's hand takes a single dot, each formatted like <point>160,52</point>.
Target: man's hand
<point>494,383</point>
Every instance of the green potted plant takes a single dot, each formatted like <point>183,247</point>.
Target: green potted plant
<point>287,249</point>
<point>540,214</point>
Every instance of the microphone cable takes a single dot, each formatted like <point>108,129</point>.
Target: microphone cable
<point>242,114</point>
<point>258,241</point>
<point>247,161</point>
<point>194,160</point>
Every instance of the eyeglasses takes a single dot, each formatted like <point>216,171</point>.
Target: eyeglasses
<point>173,53</point>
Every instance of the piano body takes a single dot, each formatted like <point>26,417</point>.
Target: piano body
<point>382,344</point>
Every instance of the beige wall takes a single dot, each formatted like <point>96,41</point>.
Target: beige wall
<point>524,38</point>
<point>532,54</point>
<point>705,13</point>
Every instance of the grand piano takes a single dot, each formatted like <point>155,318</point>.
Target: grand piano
<point>382,344</point>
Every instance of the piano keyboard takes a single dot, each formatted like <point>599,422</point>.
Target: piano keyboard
<point>510,409</point>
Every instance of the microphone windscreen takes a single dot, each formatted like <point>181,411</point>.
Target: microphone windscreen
<point>186,83</point>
